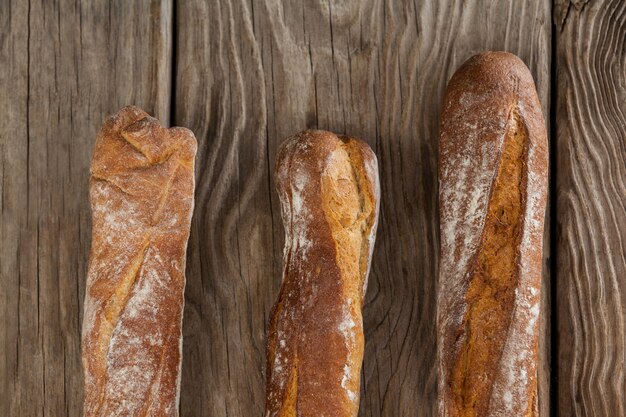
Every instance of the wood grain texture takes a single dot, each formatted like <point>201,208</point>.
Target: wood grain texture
<point>250,74</point>
<point>247,75</point>
<point>65,66</point>
<point>591,207</point>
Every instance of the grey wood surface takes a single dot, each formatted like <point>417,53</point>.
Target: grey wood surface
<point>591,207</point>
<point>244,75</point>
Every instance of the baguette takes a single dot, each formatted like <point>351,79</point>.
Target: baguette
<point>492,195</point>
<point>329,193</point>
<point>141,192</point>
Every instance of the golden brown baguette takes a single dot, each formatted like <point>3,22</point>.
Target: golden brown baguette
<point>493,183</point>
<point>329,193</point>
<point>141,191</point>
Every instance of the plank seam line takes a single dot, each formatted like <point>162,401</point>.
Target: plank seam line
<point>553,354</point>
<point>173,63</point>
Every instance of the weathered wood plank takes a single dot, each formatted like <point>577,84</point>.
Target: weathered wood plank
<point>66,65</point>
<point>591,207</point>
<point>248,75</point>
<point>13,153</point>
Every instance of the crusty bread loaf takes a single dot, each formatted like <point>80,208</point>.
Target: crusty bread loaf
<point>493,184</point>
<point>329,193</point>
<point>141,191</point>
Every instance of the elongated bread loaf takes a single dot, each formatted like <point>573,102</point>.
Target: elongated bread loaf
<point>141,191</point>
<point>329,193</point>
<point>492,194</point>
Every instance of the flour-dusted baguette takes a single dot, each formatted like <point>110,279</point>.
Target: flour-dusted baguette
<point>492,195</point>
<point>141,191</point>
<point>329,193</point>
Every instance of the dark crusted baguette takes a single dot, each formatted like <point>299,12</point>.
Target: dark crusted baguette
<point>493,170</point>
<point>329,192</point>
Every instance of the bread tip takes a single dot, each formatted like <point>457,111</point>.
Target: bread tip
<point>188,139</point>
<point>131,109</point>
<point>186,134</point>
<point>496,62</point>
<point>488,57</point>
<point>140,128</point>
<point>125,116</point>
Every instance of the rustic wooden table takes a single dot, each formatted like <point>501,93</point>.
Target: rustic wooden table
<point>243,75</point>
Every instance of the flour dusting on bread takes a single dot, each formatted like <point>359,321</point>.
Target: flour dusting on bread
<point>141,193</point>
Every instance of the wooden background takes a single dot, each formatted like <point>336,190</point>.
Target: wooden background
<point>244,75</point>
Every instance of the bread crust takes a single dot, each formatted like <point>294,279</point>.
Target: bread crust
<point>493,170</point>
<point>329,193</point>
<point>141,192</point>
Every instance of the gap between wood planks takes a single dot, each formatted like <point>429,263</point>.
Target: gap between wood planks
<point>553,354</point>
<point>174,66</point>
